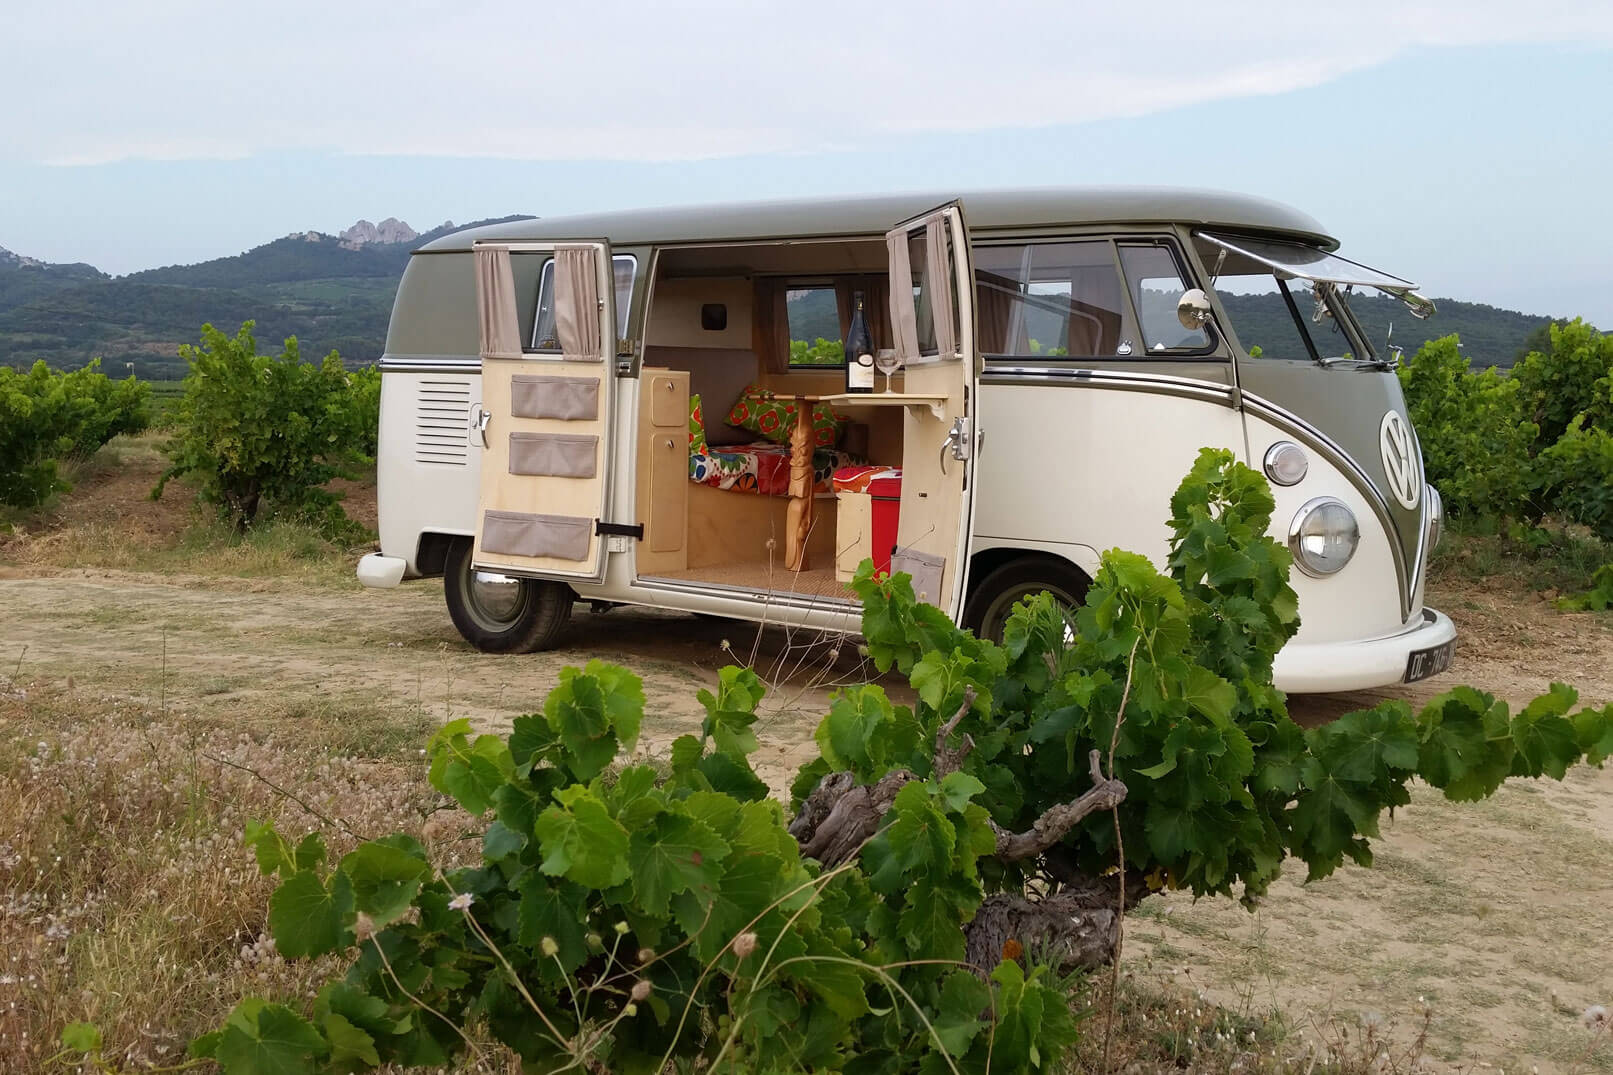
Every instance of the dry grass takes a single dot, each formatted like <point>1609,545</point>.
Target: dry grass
<point>126,897</point>
<point>108,521</point>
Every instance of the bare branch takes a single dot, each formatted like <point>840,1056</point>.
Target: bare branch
<point>1057,821</point>
<point>948,760</point>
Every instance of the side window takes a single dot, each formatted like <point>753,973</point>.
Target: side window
<point>623,268</point>
<point>1050,300</point>
<point>814,321</point>
<point>924,307</point>
<point>1156,284</point>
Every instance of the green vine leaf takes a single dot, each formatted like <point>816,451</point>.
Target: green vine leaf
<point>581,841</point>
<point>268,1039</point>
<point>470,771</point>
<point>309,917</point>
<point>680,854</point>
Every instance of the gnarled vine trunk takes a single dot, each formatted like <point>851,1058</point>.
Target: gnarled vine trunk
<point>1075,923</point>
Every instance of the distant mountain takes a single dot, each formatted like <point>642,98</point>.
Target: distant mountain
<point>333,292</point>
<point>25,279</point>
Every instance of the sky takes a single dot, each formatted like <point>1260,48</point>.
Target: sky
<point>1465,144</point>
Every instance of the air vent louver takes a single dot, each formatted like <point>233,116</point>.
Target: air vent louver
<point>442,423</point>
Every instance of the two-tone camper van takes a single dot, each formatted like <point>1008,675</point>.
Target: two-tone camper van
<point>651,408</point>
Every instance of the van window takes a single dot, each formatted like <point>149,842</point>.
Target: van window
<point>623,266</point>
<point>1049,300</point>
<point>1156,287</point>
<point>814,319</point>
<point>1275,317</point>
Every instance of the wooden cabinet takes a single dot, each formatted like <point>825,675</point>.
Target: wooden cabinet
<point>662,479</point>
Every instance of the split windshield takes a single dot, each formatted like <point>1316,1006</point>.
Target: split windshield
<point>1278,314</point>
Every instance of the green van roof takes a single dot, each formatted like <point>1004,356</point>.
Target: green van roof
<point>876,214</point>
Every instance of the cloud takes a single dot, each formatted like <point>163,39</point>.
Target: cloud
<point>605,80</point>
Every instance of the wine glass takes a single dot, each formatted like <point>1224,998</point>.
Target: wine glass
<point>886,361</point>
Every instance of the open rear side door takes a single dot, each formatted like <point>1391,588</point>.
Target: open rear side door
<point>546,413</point>
<point>933,316</point>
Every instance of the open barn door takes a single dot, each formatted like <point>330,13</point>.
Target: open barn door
<point>932,313</point>
<point>546,413</point>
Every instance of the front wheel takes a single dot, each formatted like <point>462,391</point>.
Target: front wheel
<point>994,597</point>
<point>500,613</point>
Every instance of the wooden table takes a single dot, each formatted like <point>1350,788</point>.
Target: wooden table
<point>799,515</point>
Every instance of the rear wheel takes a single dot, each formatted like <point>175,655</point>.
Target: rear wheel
<point>994,597</point>
<point>500,613</point>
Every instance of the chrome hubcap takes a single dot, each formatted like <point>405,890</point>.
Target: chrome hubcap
<point>496,598</point>
<point>996,617</point>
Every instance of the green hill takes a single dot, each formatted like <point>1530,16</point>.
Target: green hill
<point>23,280</point>
<point>332,294</point>
<point>1490,336</point>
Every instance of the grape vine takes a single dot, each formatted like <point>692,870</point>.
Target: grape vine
<point>627,916</point>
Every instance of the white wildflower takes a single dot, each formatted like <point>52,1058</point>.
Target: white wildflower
<point>461,902</point>
<point>1596,1017</point>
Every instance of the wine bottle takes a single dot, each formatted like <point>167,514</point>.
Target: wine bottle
<point>859,352</point>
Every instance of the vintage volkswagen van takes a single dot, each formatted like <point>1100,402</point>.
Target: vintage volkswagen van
<point>1065,354</point>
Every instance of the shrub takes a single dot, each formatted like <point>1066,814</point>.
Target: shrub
<point>46,417</point>
<point>1511,450</point>
<point>255,428</point>
<point>1477,447</point>
<point>1570,379</point>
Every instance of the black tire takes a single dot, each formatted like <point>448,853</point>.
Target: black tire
<point>533,617</point>
<point>993,597</point>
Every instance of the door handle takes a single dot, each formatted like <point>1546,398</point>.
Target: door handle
<point>479,418</point>
<point>956,443</point>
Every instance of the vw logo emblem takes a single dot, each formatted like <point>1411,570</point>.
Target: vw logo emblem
<point>1400,460</point>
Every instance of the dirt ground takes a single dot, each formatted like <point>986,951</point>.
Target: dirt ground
<point>1495,919</point>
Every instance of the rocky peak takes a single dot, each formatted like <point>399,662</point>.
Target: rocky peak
<point>17,261</point>
<point>390,230</point>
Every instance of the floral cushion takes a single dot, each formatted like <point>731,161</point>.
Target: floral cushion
<point>697,426</point>
<point>763,468</point>
<point>760,411</point>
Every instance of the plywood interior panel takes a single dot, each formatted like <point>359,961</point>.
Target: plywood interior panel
<point>668,491</point>
<point>932,499</point>
<point>726,527</point>
<point>661,491</point>
<point>674,319</point>
<point>537,495</point>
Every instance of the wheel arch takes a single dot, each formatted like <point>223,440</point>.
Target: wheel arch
<point>985,561</point>
<point>431,553</point>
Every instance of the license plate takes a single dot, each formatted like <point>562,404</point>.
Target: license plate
<point>1429,662</point>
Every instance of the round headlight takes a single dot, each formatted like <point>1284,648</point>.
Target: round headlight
<point>1286,463</point>
<point>1323,537</point>
<point>1436,517</point>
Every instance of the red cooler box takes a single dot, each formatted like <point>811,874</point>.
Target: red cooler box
<point>869,502</point>
<point>886,494</point>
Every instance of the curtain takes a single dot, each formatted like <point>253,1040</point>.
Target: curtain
<point>495,304</point>
<point>576,302</point>
<point>940,283</point>
<point>770,324</point>
<point>995,298</point>
<point>903,317</point>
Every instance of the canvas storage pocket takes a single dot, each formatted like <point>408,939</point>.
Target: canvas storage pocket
<point>514,533</point>
<point>559,455</point>
<point>571,399</point>
<point>925,569</point>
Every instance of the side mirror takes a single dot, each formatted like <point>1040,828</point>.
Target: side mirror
<point>1422,308</point>
<point>1193,309</point>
